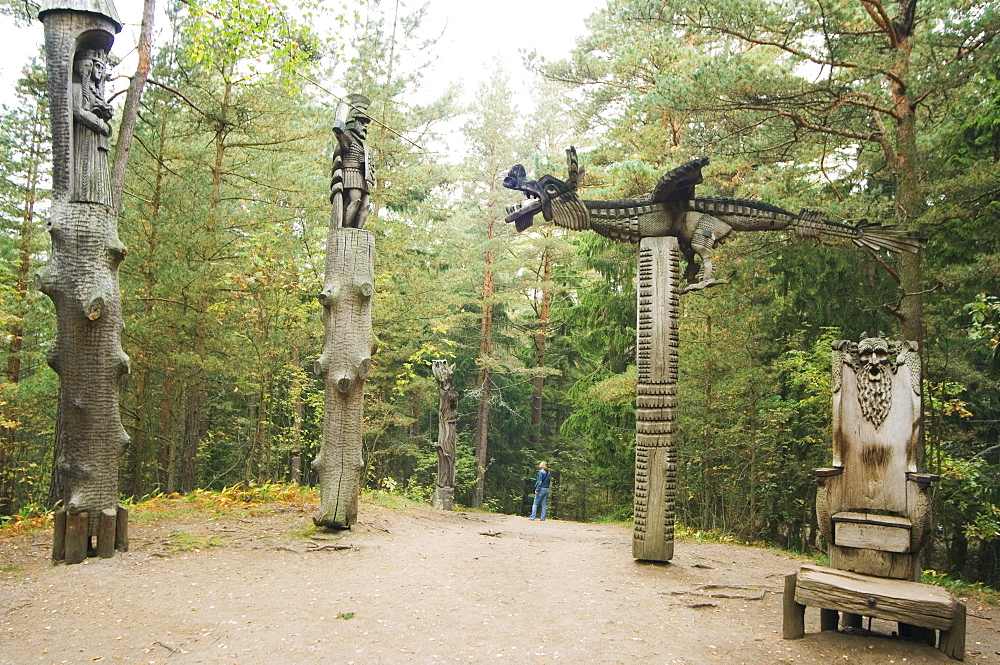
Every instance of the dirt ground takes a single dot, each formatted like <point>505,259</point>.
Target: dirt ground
<point>416,585</point>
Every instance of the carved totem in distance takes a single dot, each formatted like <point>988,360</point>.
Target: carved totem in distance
<point>81,278</point>
<point>347,320</point>
<point>671,221</point>
<point>444,493</point>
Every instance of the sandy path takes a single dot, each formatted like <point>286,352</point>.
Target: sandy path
<point>417,586</point>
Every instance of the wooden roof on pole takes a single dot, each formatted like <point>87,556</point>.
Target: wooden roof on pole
<point>102,7</point>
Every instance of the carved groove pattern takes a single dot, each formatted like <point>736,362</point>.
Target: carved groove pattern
<point>656,399</point>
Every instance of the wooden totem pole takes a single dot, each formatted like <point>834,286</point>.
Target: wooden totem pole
<point>670,222</point>
<point>347,319</point>
<point>444,493</point>
<point>81,278</point>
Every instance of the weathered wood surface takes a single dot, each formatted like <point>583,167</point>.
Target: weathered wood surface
<point>106,533</point>
<point>81,278</point>
<point>344,365</point>
<point>77,536</point>
<point>894,600</point>
<point>444,493</point>
<point>875,460</point>
<point>952,641</point>
<point>920,609</point>
<point>59,535</point>
<point>656,400</point>
<point>878,532</point>
<point>872,504</point>
<point>121,529</point>
<point>794,624</point>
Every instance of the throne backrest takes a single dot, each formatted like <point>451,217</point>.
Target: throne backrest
<point>872,504</point>
<point>876,423</point>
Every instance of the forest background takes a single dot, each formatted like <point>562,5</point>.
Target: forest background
<point>885,112</point>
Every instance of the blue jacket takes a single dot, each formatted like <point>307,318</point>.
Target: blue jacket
<point>542,482</point>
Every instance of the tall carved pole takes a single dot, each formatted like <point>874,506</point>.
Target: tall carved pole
<point>81,278</point>
<point>347,320</point>
<point>656,399</point>
<point>444,494</point>
<point>671,220</point>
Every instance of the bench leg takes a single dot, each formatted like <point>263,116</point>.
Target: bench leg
<point>917,633</point>
<point>952,642</point>
<point>852,620</point>
<point>794,624</point>
<point>828,619</point>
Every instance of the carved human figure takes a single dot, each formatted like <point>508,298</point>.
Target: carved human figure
<point>91,113</point>
<point>353,170</point>
<point>447,420</point>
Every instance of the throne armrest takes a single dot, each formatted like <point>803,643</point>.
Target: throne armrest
<point>827,471</point>
<point>922,479</point>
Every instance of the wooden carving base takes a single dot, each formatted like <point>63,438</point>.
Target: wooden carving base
<point>914,605</point>
<point>71,541</point>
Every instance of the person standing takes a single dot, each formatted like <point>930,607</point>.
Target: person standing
<point>542,483</point>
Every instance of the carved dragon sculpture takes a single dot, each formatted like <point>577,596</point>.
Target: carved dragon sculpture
<point>700,223</point>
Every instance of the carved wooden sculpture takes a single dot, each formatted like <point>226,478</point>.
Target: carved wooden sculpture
<point>81,278</point>
<point>347,346</point>
<point>353,170</point>
<point>670,222</point>
<point>444,493</point>
<point>700,223</point>
<point>873,506</point>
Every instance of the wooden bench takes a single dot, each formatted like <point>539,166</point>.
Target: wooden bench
<point>912,604</point>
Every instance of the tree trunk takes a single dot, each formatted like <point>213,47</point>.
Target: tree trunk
<point>131,109</point>
<point>297,415</point>
<point>8,427</point>
<point>344,365</point>
<point>485,374</point>
<point>82,281</point>
<point>541,340</point>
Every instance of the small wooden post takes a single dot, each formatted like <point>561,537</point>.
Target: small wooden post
<point>952,642</point>
<point>121,529</point>
<point>59,535</point>
<point>106,533</point>
<point>794,625</point>
<point>852,620</point>
<point>828,619</point>
<point>656,400</point>
<point>77,536</point>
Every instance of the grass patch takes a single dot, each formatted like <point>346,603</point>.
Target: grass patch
<point>391,500</point>
<point>11,570</point>
<point>239,497</point>
<point>181,541</point>
<point>307,531</point>
<point>978,590</point>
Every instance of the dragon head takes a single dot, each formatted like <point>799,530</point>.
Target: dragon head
<point>541,194</point>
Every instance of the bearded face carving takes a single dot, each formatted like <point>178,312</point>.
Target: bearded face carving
<point>874,379</point>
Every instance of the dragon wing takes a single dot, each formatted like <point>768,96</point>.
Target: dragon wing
<point>678,184</point>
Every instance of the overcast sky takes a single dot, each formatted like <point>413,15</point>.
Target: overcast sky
<point>475,34</point>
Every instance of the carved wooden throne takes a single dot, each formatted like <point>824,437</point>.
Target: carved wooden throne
<point>873,506</point>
